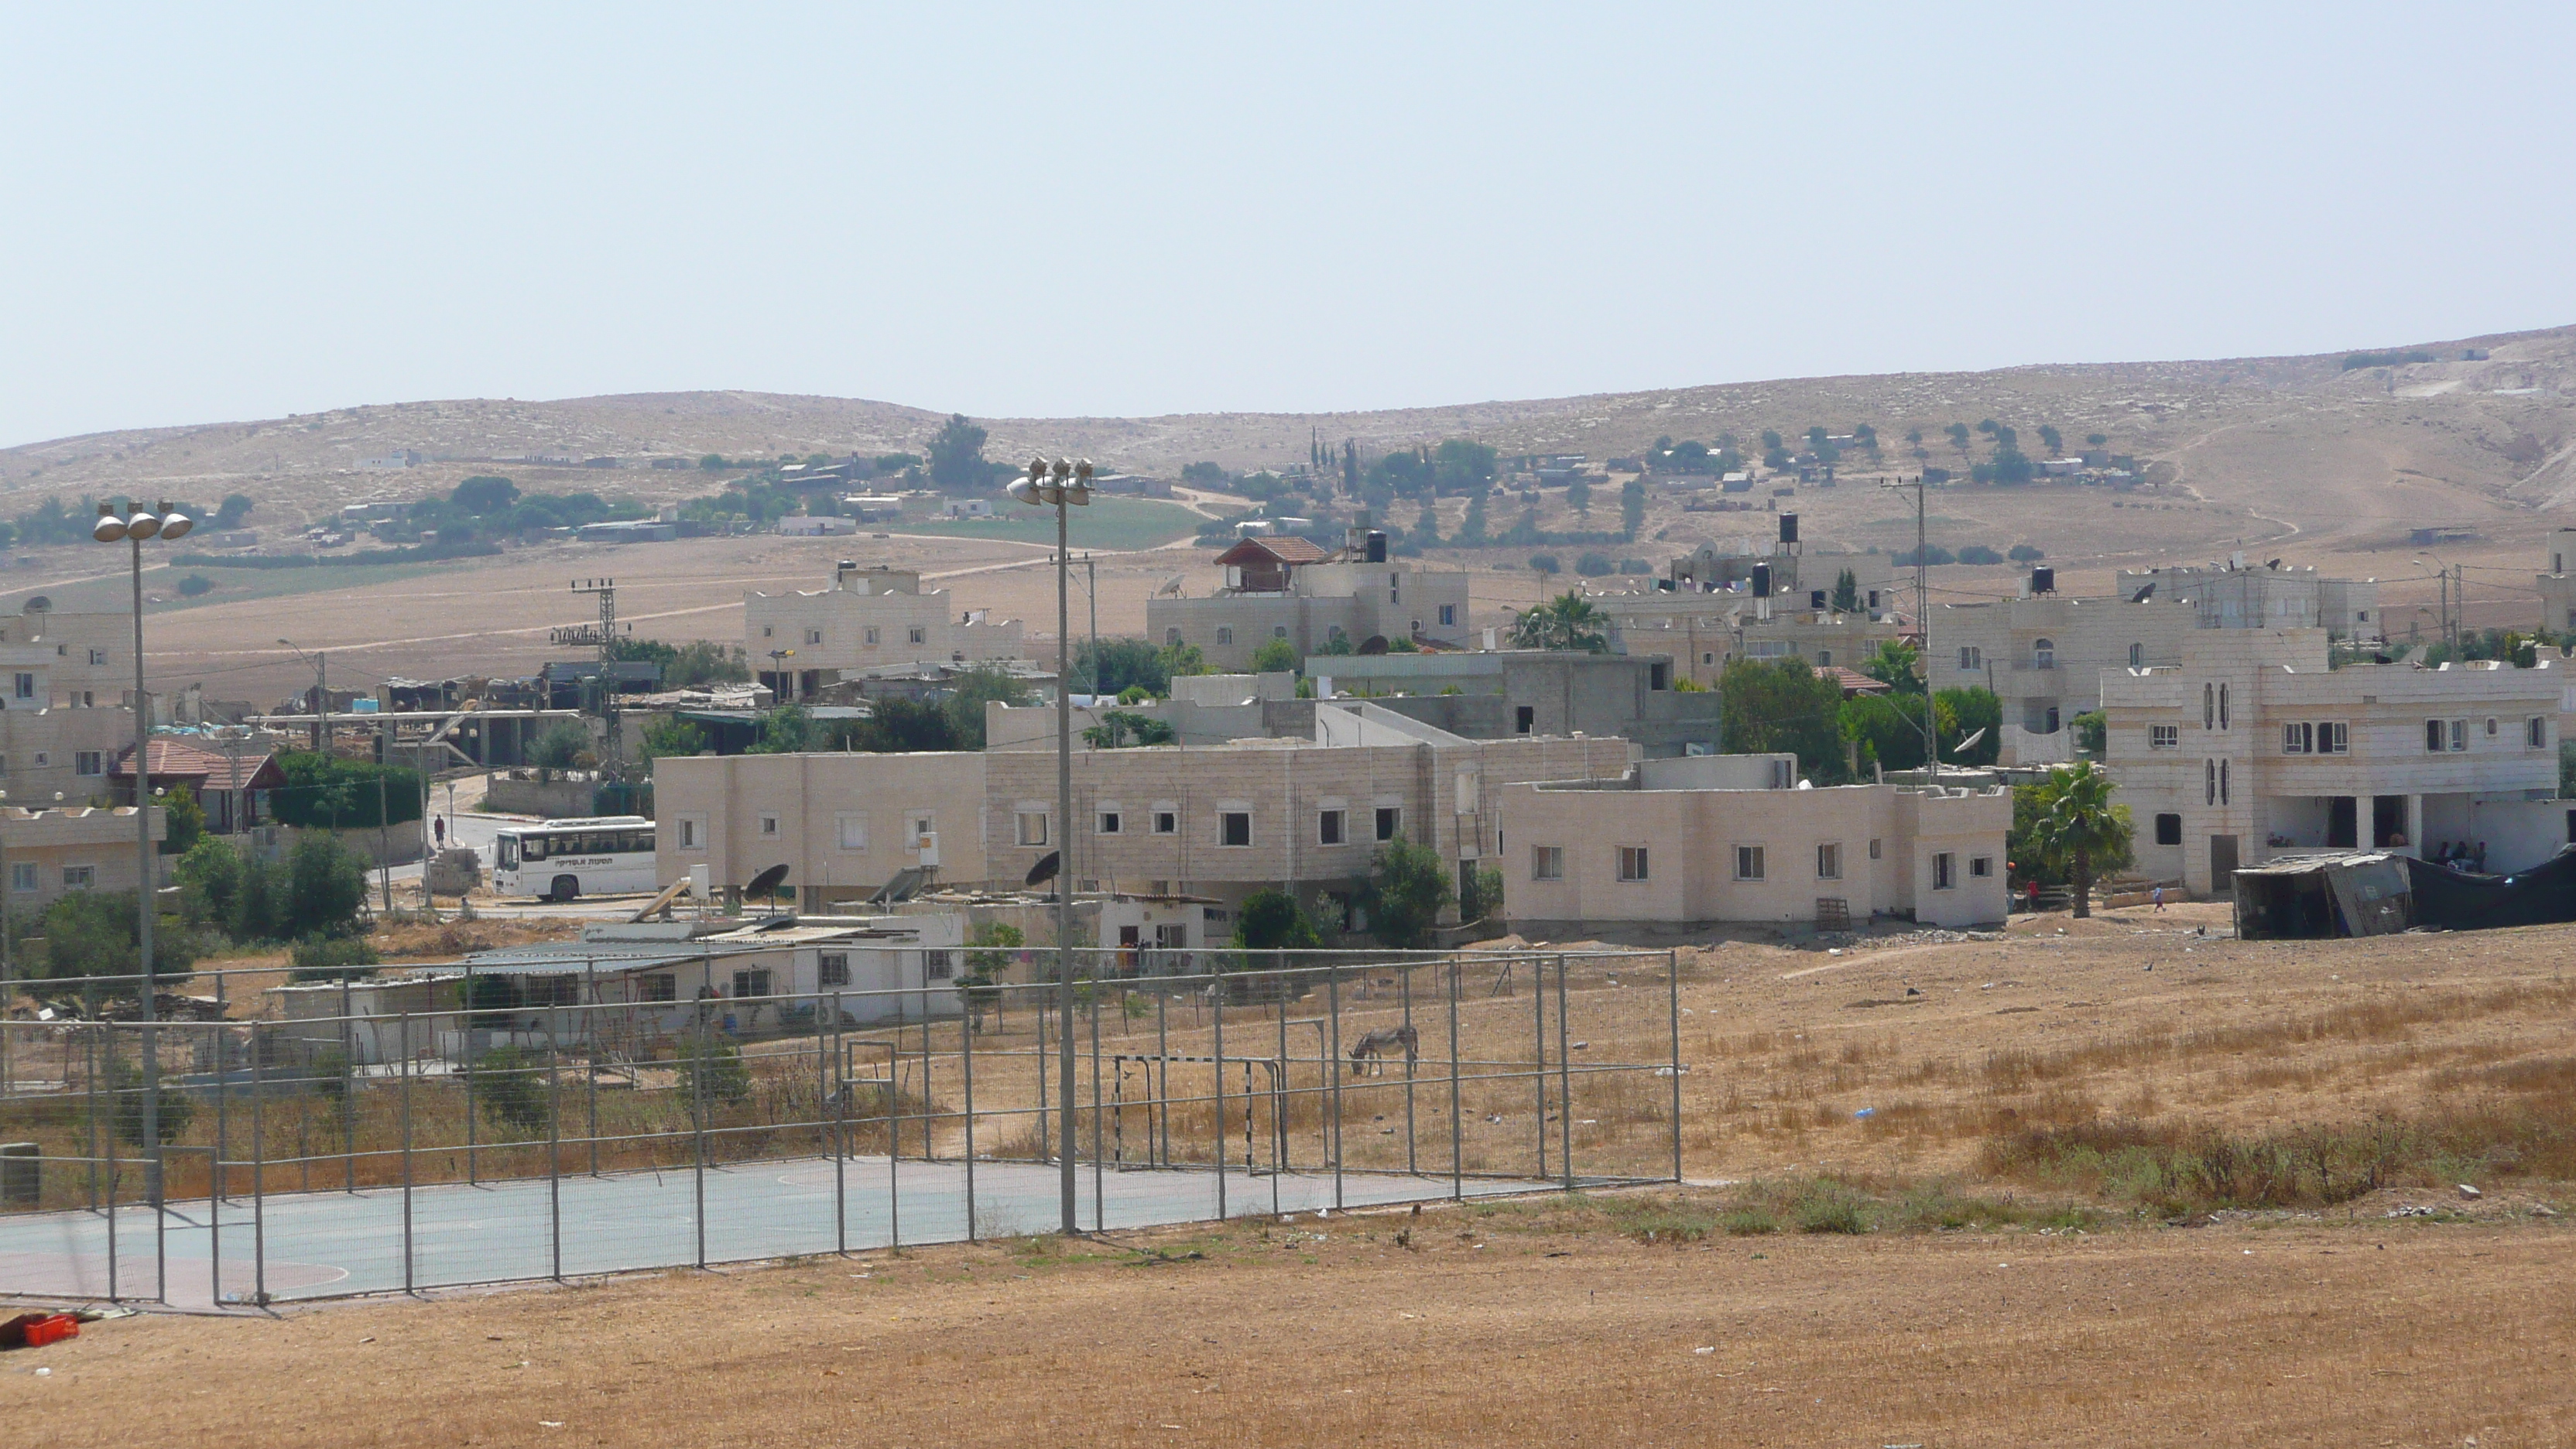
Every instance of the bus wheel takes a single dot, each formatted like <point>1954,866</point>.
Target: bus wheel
<point>566,888</point>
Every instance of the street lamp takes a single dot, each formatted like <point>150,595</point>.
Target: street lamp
<point>132,530</point>
<point>1057,485</point>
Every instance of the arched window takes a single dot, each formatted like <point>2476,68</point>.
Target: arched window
<point>2209,782</point>
<point>2137,656</point>
<point>2209,706</point>
<point>2222,706</point>
<point>2043,654</point>
<point>2222,782</point>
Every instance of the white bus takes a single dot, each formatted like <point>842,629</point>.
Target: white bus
<point>561,860</point>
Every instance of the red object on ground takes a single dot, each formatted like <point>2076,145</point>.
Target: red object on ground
<point>35,1330</point>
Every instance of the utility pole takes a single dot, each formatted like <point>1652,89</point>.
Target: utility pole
<point>1923,622</point>
<point>1091,573</point>
<point>603,635</point>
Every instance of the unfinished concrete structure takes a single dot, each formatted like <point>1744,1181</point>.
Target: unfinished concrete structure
<point>2251,747</point>
<point>870,617</point>
<point>2236,595</point>
<point>1292,589</point>
<point>1502,694</point>
<point>2557,583</point>
<point>1730,838</point>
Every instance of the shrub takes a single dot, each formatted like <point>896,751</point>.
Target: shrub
<point>1828,1206</point>
<point>509,1090</point>
<point>716,1071</point>
<point>326,958</point>
<point>1594,565</point>
<point>1546,563</point>
<point>1978,553</point>
<point>195,586</point>
<point>1635,566</point>
<point>2024,553</point>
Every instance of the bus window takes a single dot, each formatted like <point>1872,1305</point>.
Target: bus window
<point>509,852</point>
<point>533,846</point>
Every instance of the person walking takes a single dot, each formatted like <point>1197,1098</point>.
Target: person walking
<point>2159,895</point>
<point>2033,896</point>
<point>438,830</point>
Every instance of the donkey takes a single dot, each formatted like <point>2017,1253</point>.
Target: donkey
<point>1370,1050</point>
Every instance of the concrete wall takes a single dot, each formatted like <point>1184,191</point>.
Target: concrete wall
<point>749,812</point>
<point>874,621</point>
<point>1359,600</point>
<point>2087,637</point>
<point>1564,694</point>
<point>545,799</point>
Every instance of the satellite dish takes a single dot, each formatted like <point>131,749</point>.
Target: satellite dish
<point>2142,595</point>
<point>1049,866</point>
<point>39,605</point>
<point>1170,586</point>
<point>1970,743</point>
<point>767,882</point>
<point>1373,644</point>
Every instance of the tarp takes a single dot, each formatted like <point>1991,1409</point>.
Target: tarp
<point>2321,896</point>
<point>2464,900</point>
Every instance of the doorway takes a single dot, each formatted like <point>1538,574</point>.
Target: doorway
<point>2387,820</point>
<point>2342,818</point>
<point>2222,865</point>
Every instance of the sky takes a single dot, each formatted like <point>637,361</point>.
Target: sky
<point>217,213</point>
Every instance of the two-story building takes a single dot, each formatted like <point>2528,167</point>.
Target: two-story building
<point>2043,654</point>
<point>869,618</point>
<point>1504,693</point>
<point>1291,588</point>
<point>2557,583</point>
<point>2235,595</point>
<point>1731,838</point>
<point>2251,747</point>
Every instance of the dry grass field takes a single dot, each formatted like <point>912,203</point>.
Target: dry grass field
<point>2120,1182</point>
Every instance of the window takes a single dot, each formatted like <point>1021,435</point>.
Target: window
<point>2459,735</point>
<point>1824,659</point>
<point>1278,631</point>
<point>1167,822</point>
<point>1945,871</point>
<point>1981,866</point>
<point>853,831</point>
<point>765,632</point>
<point>937,966</point>
<point>660,986</point>
<point>912,635</point>
<point>89,762</point>
<point>693,832</point>
<point>2296,738</point>
<point>1784,774</point>
<point>1390,821</point>
<point>98,656</point>
<point>1225,634</point>
<point>2222,782</point>
<point>1234,827</point>
<point>769,826</point>
<point>1659,675</point>
<point>2137,656</point>
<point>2333,738</point>
<point>875,634</point>
<point>1748,862</point>
<point>79,877</point>
<point>1524,719</point>
<point>2169,829</point>
<point>2164,737</point>
<point>1971,658</point>
<point>1767,649</point>
<point>1111,822</point>
<point>1632,862</point>
<point>2491,727</point>
<point>2535,733</point>
<point>2043,654</point>
<point>1329,826</point>
<point>2209,782</point>
<point>2432,736</point>
<point>832,968</point>
<point>1873,850</point>
<point>751,981</point>
<point>1448,616</point>
<point>1829,862</point>
<point>2222,706</point>
<point>813,636</point>
<point>22,875</point>
<point>1547,862</point>
<point>1032,825</point>
<point>2209,706</point>
<point>1171,636</point>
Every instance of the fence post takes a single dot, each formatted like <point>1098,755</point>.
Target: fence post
<point>223,1115</point>
<point>1404,986</point>
<point>1333,1015</point>
<point>111,1193</point>
<point>258,1188</point>
<point>89,1088</point>
<point>1279,1106</point>
<point>1099,1192</point>
<point>349,1088</point>
<point>1046,1140</point>
<point>590,1049</point>
<point>1457,1127</point>
<point>1538,1074</point>
<point>1564,1081</point>
<point>407,1064</point>
<point>840,1143</point>
<point>966,1073</point>
<point>1673,1016</point>
<point>698,1130</point>
<point>1217,982</point>
<point>465,1046</point>
<point>1158,1129</point>
<point>554,1137</point>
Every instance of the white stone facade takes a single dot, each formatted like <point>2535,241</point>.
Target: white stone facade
<point>1323,601</point>
<point>2045,655</point>
<point>869,618</point>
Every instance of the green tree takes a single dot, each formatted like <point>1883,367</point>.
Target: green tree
<point>1893,665</point>
<point>2090,729</point>
<point>1958,433</point>
<point>1471,528</point>
<point>561,746</point>
<point>1484,895</point>
<point>1887,729</point>
<point>1578,496</point>
<point>1117,665</point>
<point>185,820</point>
<point>326,884</point>
<point>2078,821</point>
<point>1274,656</point>
<point>171,1110</point>
<point>1546,563</point>
<point>234,508</point>
<point>712,463</point>
<point>786,730</point>
<point>1632,507</point>
<point>483,494</point>
<point>337,794</point>
<point>1568,621</point>
<point>1846,598</point>
<point>669,736</point>
<point>713,1070</point>
<point>1782,706</point>
<point>2096,440</point>
<point>91,934</point>
<point>1408,886</point>
<point>970,691</point>
<point>333,958</point>
<point>1271,920</point>
<point>1120,728</point>
<point>196,586</point>
<point>2024,553</point>
<point>957,456</point>
<point>2053,440</point>
<point>1965,711</point>
<point>509,1087</point>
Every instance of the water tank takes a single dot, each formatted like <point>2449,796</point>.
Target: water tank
<point>2043,580</point>
<point>1376,546</point>
<point>1762,581</point>
<point>1788,528</point>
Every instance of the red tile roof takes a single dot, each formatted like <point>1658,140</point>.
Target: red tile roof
<point>1853,681</point>
<point>187,760</point>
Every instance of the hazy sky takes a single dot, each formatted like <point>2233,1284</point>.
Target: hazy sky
<point>221,212</point>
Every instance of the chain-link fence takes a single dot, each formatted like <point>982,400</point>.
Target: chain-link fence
<point>593,1121</point>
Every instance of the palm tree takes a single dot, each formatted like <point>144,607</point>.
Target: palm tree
<point>1567,621</point>
<point>1893,665</point>
<point>2078,821</point>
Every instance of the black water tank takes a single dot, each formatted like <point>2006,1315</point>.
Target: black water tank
<point>1788,528</point>
<point>1376,546</point>
<point>1762,581</point>
<point>2043,580</point>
